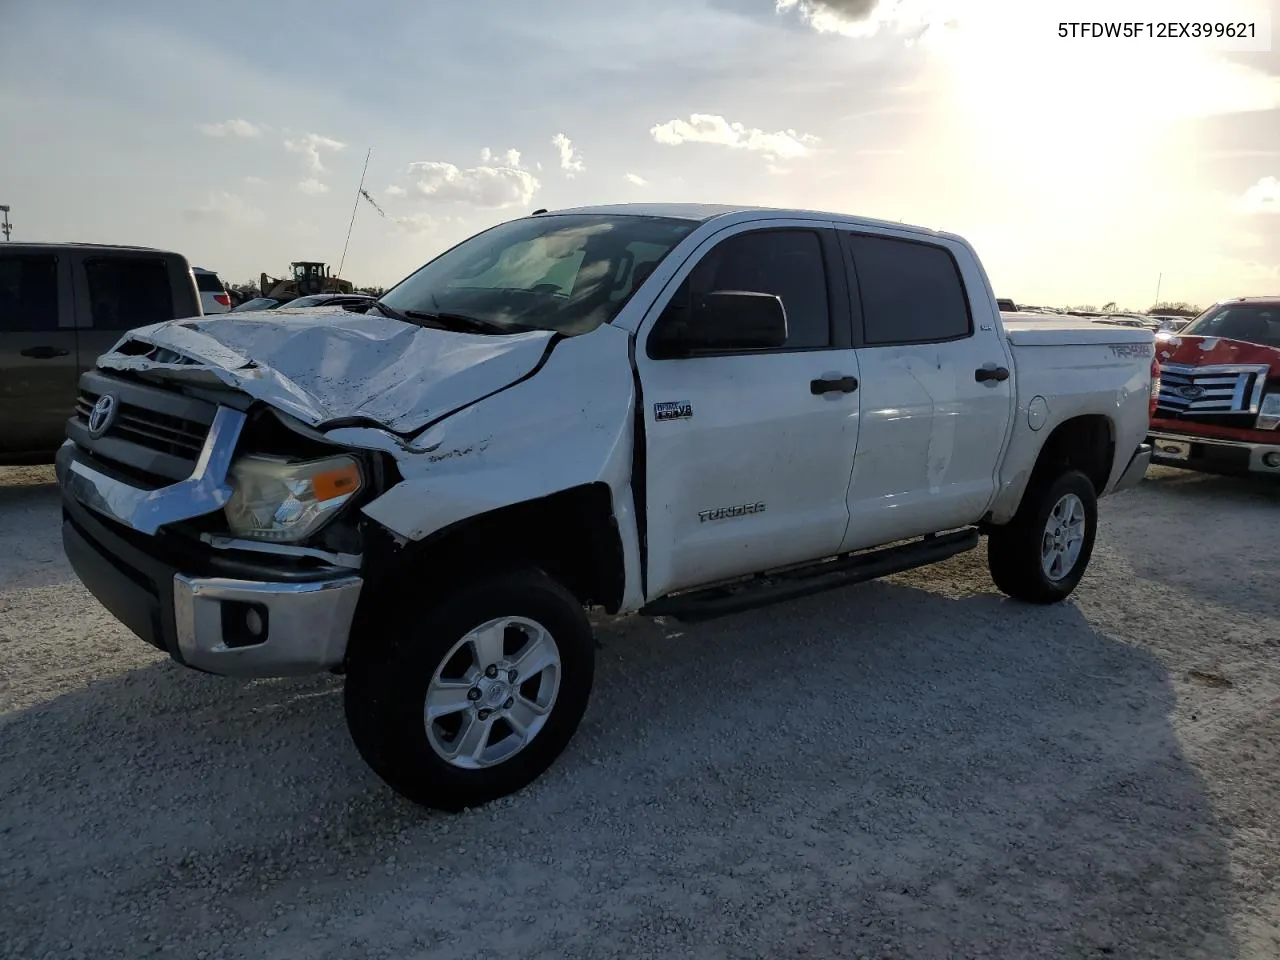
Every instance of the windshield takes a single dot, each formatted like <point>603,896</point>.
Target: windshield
<point>317,301</point>
<point>258,303</point>
<point>566,273</point>
<point>1251,322</point>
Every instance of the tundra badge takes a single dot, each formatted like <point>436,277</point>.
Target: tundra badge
<point>726,513</point>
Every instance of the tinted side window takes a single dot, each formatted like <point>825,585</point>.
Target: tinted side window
<point>911,292</point>
<point>785,263</point>
<point>28,293</point>
<point>126,292</point>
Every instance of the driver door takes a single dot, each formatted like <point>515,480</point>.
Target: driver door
<point>747,454</point>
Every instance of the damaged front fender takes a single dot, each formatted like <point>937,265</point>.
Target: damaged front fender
<point>569,427</point>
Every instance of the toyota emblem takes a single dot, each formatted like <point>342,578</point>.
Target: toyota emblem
<point>102,415</point>
<point>1191,392</point>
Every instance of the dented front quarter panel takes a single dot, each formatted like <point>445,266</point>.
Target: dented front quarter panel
<point>570,425</point>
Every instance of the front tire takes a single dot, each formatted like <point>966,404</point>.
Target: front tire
<point>1042,553</point>
<point>470,700</point>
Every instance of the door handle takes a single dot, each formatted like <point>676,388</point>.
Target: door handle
<point>44,353</point>
<point>983,374</point>
<point>842,384</point>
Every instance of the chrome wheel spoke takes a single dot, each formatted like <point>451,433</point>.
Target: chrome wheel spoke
<point>447,696</point>
<point>487,643</point>
<point>524,715</point>
<point>536,655</point>
<point>472,738</point>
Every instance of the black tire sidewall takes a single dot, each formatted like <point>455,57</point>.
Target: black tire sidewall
<point>387,681</point>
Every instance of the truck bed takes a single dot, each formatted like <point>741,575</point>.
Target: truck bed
<point>1039,330</point>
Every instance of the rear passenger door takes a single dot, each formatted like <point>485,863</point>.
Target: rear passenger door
<point>118,292</point>
<point>746,454</point>
<point>932,426</point>
<point>37,352</point>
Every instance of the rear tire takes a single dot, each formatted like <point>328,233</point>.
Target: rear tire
<point>429,721</point>
<point>1042,553</point>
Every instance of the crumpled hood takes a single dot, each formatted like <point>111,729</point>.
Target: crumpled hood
<point>323,366</point>
<point>1204,351</point>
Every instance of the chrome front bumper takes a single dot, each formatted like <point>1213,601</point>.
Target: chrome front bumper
<point>1254,456</point>
<point>301,627</point>
<point>284,624</point>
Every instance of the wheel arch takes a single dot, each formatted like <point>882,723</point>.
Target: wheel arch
<point>572,535</point>
<point>1086,442</point>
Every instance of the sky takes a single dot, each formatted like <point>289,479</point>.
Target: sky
<point>1083,170</point>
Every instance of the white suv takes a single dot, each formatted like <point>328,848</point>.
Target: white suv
<point>213,296</point>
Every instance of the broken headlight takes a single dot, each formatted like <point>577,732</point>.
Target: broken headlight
<point>286,501</point>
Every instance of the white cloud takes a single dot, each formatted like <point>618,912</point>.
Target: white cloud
<point>710,128</point>
<point>231,128</point>
<point>395,191</point>
<point>416,223</point>
<point>224,209</point>
<point>918,19</point>
<point>311,146</point>
<point>1263,196</point>
<point>570,160</point>
<point>312,186</point>
<point>255,181</point>
<point>636,181</point>
<point>511,158</point>
<point>487,186</point>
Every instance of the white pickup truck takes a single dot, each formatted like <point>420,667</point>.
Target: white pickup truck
<point>678,410</point>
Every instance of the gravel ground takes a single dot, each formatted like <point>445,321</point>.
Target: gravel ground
<point>910,768</point>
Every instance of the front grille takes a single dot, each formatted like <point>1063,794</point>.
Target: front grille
<point>156,434</point>
<point>149,428</point>
<point>1228,395</point>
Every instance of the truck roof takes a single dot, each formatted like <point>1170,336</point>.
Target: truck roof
<point>702,212</point>
<point>45,245</point>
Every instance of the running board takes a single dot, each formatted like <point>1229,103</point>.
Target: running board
<point>796,582</point>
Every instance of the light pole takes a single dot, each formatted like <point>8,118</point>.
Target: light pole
<point>6,227</point>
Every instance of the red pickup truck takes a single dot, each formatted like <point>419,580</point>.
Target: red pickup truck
<point>1218,400</point>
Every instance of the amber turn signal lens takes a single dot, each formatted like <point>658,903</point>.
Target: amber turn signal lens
<point>336,483</point>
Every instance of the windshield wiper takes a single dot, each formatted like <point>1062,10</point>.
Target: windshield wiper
<point>391,312</point>
<point>463,323</point>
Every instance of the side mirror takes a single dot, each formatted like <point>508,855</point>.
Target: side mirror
<point>723,320</point>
